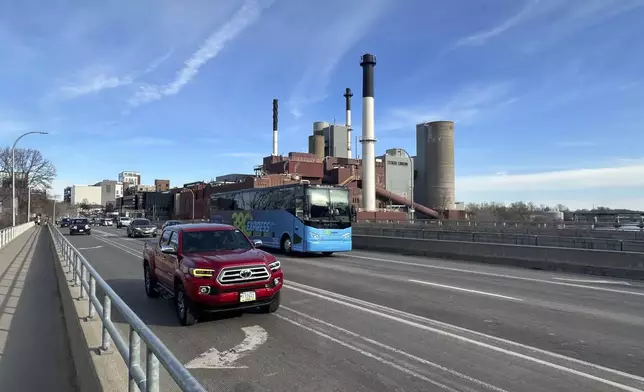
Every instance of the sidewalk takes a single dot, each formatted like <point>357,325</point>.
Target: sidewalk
<point>34,350</point>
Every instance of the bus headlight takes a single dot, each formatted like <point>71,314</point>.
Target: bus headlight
<point>275,265</point>
<point>315,236</point>
<point>202,272</point>
<point>346,235</point>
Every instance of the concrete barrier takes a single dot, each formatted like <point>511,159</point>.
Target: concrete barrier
<point>507,238</point>
<point>94,372</point>
<point>628,265</point>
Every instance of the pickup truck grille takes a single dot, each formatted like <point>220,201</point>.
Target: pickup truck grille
<point>252,273</point>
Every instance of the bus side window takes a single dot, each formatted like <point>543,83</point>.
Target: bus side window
<point>299,207</point>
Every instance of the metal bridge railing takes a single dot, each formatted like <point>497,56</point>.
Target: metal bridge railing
<point>10,233</point>
<point>86,277</point>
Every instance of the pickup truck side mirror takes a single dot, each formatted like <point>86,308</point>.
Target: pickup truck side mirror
<point>258,243</point>
<point>167,249</point>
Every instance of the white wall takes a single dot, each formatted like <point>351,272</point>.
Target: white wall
<point>89,192</point>
<point>110,191</point>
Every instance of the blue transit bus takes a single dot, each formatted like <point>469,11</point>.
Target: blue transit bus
<point>293,218</point>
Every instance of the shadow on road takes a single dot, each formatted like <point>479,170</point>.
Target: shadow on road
<point>153,311</point>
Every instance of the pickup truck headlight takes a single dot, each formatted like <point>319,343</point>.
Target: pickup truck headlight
<point>202,272</point>
<point>87,226</point>
<point>275,265</point>
<point>74,227</point>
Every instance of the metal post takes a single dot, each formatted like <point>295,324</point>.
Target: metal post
<point>151,371</point>
<point>92,295</point>
<point>76,270</point>
<point>82,278</point>
<point>14,207</point>
<point>107,316</point>
<point>28,203</point>
<point>135,358</point>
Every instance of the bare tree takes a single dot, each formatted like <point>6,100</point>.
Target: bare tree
<point>32,171</point>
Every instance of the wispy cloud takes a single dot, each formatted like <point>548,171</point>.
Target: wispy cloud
<point>97,83</point>
<point>247,15</point>
<point>574,144</point>
<point>464,106</point>
<point>627,176</point>
<point>95,80</point>
<point>557,18</point>
<point>150,141</point>
<point>335,37</point>
<point>481,37</point>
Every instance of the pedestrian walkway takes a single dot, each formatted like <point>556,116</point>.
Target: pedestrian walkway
<point>34,349</point>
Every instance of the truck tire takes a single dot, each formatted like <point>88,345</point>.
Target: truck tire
<point>150,281</point>
<point>273,306</point>
<point>183,307</point>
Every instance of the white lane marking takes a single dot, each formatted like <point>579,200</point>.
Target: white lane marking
<point>91,247</point>
<point>363,306</point>
<point>368,354</point>
<point>397,351</point>
<point>464,290</point>
<point>593,281</point>
<point>121,247</point>
<point>215,359</point>
<point>498,275</point>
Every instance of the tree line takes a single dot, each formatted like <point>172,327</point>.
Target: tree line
<point>32,171</point>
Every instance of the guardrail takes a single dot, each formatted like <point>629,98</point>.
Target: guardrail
<point>156,351</point>
<point>554,241</point>
<point>10,233</point>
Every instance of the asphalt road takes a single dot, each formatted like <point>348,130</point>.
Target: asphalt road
<point>373,322</point>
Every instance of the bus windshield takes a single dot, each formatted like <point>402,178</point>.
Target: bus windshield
<point>329,203</point>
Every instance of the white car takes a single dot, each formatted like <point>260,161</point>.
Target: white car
<point>123,222</point>
<point>106,222</point>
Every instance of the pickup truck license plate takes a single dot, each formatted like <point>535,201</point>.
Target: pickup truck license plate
<point>247,296</point>
<point>81,230</point>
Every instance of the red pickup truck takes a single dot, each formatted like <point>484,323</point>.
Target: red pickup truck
<point>210,268</point>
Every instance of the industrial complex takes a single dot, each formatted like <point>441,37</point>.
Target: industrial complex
<point>395,185</point>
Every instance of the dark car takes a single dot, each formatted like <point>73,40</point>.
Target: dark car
<point>141,228</point>
<point>80,226</point>
<point>65,222</point>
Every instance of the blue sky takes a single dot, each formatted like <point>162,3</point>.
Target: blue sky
<point>548,96</point>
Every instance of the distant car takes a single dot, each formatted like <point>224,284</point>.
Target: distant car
<point>141,228</point>
<point>106,222</point>
<point>123,221</point>
<point>80,226</point>
<point>65,222</point>
<point>171,223</point>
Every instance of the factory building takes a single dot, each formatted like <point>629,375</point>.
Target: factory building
<point>398,172</point>
<point>434,185</point>
<point>329,140</point>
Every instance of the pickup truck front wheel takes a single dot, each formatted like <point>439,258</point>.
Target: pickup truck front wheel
<point>273,306</point>
<point>150,281</point>
<point>185,313</point>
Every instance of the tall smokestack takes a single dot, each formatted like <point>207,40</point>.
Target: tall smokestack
<point>347,97</point>
<point>368,62</point>
<point>275,128</point>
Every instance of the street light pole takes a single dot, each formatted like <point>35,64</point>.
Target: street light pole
<point>193,203</point>
<point>28,203</point>
<point>14,207</point>
<point>411,179</point>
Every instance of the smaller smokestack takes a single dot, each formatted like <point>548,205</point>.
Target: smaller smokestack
<point>275,128</point>
<point>347,97</point>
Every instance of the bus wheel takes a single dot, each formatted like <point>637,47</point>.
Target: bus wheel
<point>327,253</point>
<point>287,245</point>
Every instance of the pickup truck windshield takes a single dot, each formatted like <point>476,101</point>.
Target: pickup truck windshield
<point>80,221</point>
<point>214,240</point>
